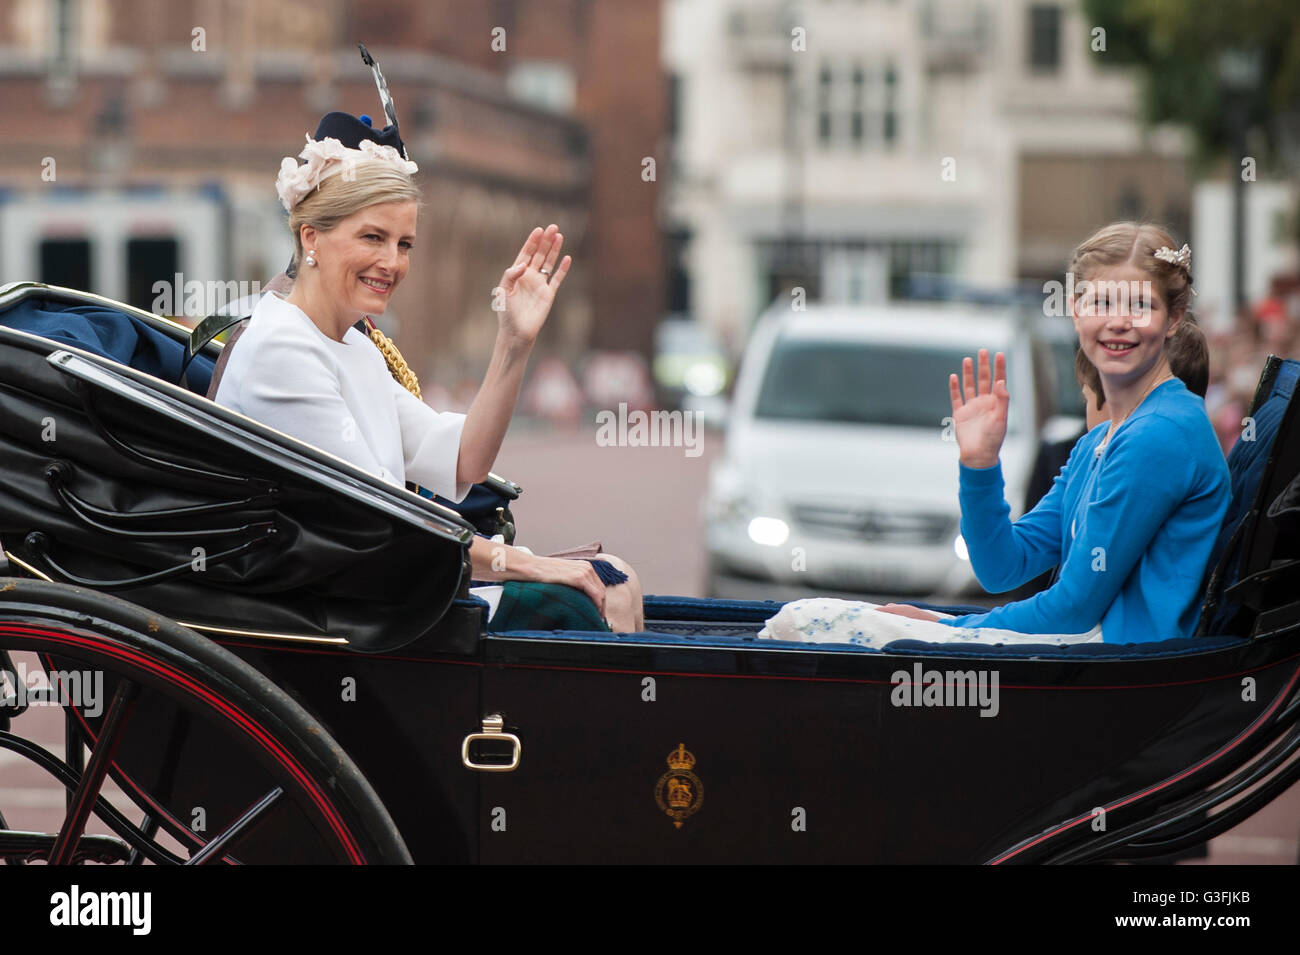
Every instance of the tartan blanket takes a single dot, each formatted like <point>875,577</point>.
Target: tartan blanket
<point>526,605</point>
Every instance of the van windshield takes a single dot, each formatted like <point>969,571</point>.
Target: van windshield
<point>859,383</point>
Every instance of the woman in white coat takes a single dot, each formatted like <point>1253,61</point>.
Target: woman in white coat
<point>303,368</point>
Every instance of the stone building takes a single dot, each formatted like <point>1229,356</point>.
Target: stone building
<point>844,146</point>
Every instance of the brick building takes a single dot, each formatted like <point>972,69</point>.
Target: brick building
<point>166,121</point>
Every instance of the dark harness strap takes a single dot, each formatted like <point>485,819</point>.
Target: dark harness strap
<point>219,368</point>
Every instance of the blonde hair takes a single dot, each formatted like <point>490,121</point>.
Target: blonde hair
<point>340,196</point>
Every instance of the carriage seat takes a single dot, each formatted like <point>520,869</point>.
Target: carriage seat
<point>113,334</point>
<point>1247,464</point>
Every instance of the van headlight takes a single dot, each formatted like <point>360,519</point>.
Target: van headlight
<point>730,498</point>
<point>771,531</point>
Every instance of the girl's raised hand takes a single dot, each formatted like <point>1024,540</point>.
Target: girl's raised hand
<point>979,410</point>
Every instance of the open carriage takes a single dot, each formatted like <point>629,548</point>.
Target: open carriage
<point>289,654</point>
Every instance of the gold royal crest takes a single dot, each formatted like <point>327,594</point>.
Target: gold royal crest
<point>679,791</point>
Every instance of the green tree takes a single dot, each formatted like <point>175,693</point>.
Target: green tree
<point>1177,45</point>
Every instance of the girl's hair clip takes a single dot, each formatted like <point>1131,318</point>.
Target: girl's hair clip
<point>1181,257</point>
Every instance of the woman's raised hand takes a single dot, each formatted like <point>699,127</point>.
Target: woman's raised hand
<point>979,410</point>
<point>526,291</point>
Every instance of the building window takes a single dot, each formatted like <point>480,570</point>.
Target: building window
<point>824,128</point>
<point>1128,204</point>
<point>148,261</point>
<point>854,271</point>
<point>546,83</point>
<point>787,265</point>
<point>63,40</point>
<point>855,113</point>
<point>889,119</point>
<point>66,262</point>
<point>676,244</point>
<point>1044,38</point>
<point>675,81</point>
<point>909,259</point>
<point>857,105</point>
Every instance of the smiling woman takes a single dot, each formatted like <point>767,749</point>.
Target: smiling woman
<point>305,367</point>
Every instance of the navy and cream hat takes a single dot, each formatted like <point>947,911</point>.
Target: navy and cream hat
<point>351,130</point>
<point>325,156</point>
<point>341,141</point>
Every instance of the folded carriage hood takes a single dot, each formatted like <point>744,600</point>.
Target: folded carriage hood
<point>104,468</point>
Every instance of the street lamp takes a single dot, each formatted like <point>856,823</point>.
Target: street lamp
<point>1239,73</point>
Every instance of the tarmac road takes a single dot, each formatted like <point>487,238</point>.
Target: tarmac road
<point>642,503</point>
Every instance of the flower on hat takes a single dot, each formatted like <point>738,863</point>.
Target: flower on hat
<point>322,159</point>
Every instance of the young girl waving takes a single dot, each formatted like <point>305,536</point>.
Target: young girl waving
<point>1132,517</point>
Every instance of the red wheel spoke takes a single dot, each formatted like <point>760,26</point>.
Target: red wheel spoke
<point>92,780</point>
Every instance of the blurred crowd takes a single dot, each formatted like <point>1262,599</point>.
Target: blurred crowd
<point>1270,326</point>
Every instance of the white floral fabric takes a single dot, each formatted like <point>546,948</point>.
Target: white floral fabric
<point>326,157</point>
<point>831,620</point>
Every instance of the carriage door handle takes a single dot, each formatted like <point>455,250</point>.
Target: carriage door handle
<point>493,726</point>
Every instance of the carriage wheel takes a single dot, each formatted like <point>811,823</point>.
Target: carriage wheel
<point>222,764</point>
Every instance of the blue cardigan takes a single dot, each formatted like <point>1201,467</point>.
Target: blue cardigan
<point>1131,528</point>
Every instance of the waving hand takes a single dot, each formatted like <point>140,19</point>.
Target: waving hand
<point>527,286</point>
<point>979,410</point>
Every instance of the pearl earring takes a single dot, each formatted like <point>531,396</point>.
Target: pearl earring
<point>311,257</point>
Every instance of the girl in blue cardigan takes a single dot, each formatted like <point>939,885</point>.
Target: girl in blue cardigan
<point>1130,519</point>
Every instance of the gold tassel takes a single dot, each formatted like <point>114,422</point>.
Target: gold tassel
<point>397,365</point>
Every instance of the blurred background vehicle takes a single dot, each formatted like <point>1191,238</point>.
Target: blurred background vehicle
<point>691,368</point>
<point>840,467</point>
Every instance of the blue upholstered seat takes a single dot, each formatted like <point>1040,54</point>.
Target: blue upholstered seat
<point>1246,464</point>
<point>110,333</point>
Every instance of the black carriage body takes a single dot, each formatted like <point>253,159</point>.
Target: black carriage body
<point>798,755</point>
<point>693,742</point>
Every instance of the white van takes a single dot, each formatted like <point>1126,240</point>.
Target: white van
<point>840,467</point>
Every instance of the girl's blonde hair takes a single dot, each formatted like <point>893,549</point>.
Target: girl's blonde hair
<point>341,195</point>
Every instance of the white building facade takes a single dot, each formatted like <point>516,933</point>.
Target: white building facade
<point>843,146</point>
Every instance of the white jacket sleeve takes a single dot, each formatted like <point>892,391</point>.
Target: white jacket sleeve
<point>430,444</point>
